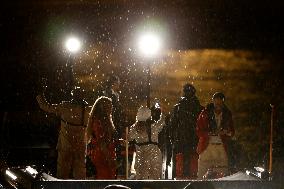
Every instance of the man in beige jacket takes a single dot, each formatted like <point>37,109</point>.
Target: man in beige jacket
<point>71,145</point>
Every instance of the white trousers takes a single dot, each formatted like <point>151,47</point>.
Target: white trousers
<point>214,156</point>
<point>148,164</point>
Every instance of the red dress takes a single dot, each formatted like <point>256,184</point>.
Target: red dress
<point>103,156</point>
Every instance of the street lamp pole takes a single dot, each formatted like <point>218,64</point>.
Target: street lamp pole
<point>271,138</point>
<point>148,85</point>
<point>72,45</point>
<point>70,67</point>
<point>149,45</point>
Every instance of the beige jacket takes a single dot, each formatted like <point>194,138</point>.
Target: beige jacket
<point>74,119</point>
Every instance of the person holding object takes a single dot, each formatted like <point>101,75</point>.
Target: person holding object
<point>214,128</point>
<point>71,145</point>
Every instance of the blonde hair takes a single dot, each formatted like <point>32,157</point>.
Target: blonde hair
<point>99,112</point>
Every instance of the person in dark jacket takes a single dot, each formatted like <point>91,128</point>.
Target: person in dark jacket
<point>183,135</point>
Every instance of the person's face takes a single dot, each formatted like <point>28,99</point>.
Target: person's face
<point>218,103</point>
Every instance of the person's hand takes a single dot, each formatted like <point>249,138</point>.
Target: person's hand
<point>222,132</point>
<point>225,132</point>
<point>213,133</point>
<point>229,134</point>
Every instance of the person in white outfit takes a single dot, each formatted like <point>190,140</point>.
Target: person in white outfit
<point>71,145</point>
<point>144,131</point>
<point>215,129</point>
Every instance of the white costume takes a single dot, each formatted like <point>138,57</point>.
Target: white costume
<point>71,143</point>
<point>214,156</point>
<point>148,163</point>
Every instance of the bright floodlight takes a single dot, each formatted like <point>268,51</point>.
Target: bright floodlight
<point>73,45</point>
<point>149,44</point>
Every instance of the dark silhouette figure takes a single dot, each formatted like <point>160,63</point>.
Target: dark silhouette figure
<point>183,135</point>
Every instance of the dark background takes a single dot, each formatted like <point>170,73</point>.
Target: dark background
<point>32,34</point>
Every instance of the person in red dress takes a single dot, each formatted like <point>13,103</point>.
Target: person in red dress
<point>100,135</point>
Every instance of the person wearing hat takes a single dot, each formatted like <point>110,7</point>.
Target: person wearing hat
<point>71,145</point>
<point>214,128</point>
<point>148,161</point>
<point>183,135</point>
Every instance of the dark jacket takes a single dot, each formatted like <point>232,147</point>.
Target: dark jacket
<point>183,122</point>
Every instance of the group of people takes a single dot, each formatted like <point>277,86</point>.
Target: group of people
<point>88,140</point>
<point>199,136</point>
<point>191,139</point>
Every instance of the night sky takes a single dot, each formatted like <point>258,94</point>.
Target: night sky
<point>31,32</point>
<point>232,45</point>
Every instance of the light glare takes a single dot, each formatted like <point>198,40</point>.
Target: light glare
<point>31,170</point>
<point>260,169</point>
<point>149,44</point>
<point>11,175</point>
<point>73,45</point>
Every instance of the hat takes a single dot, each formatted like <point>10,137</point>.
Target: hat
<point>143,114</point>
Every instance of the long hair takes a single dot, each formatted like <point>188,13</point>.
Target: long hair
<point>99,112</point>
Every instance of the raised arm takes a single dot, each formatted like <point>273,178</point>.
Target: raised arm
<point>132,134</point>
<point>46,106</point>
<point>157,127</point>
